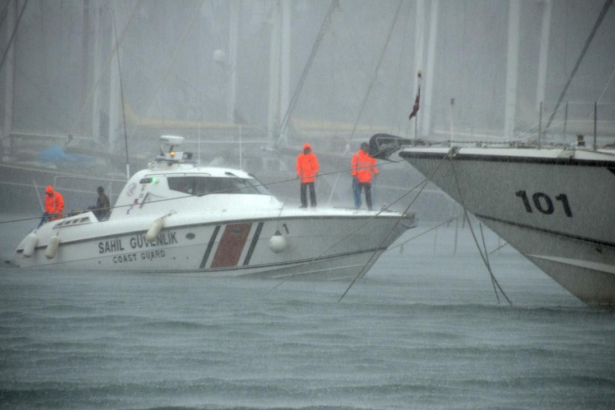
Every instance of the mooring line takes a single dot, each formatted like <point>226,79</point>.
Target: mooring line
<point>425,182</point>
<point>345,237</point>
<point>423,233</point>
<point>498,248</point>
<point>480,225</point>
<point>494,281</point>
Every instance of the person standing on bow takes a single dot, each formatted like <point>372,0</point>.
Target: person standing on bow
<point>54,205</point>
<point>307,170</point>
<point>363,171</point>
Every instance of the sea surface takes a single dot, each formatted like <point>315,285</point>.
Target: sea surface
<point>423,330</point>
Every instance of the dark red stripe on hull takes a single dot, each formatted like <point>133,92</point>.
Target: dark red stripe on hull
<point>231,245</point>
<point>257,234</point>
<point>210,246</point>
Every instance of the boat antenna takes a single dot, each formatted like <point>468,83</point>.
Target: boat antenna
<point>119,69</point>
<point>605,8</point>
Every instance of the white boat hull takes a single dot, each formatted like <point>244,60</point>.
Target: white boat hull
<point>554,206</point>
<point>322,246</point>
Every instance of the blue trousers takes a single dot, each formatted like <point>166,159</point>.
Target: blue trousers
<point>44,219</point>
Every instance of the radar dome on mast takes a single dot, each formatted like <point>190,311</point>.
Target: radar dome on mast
<point>172,156</point>
<point>171,140</point>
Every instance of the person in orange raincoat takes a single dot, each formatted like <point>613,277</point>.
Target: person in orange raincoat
<point>54,204</point>
<point>363,171</point>
<point>307,169</point>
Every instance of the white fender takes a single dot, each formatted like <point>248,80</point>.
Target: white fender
<point>277,243</point>
<point>154,230</point>
<point>30,242</point>
<point>52,248</point>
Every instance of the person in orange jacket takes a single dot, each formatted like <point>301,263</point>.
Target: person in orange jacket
<point>307,169</point>
<point>54,204</point>
<point>363,171</point>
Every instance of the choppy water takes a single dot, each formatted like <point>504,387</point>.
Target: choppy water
<point>423,330</point>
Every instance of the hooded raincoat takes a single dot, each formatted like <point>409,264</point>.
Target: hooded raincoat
<point>54,203</point>
<point>307,165</point>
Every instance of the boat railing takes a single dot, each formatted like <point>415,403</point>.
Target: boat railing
<point>108,190</point>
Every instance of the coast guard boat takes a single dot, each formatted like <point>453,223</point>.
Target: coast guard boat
<point>176,216</point>
<point>554,205</point>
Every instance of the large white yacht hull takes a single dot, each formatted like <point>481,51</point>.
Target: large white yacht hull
<point>554,206</point>
<point>317,245</point>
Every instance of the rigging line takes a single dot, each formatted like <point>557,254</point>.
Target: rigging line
<point>293,102</point>
<point>173,62</point>
<point>605,8</point>
<point>46,116</point>
<point>603,91</point>
<point>107,64</point>
<point>425,182</point>
<point>277,224</point>
<point>498,248</point>
<point>359,45</point>
<point>40,201</point>
<point>10,43</point>
<point>423,233</point>
<point>494,281</point>
<point>480,225</point>
<point>221,191</point>
<point>344,238</point>
<point>534,125</point>
<point>369,88</point>
<point>5,12</point>
<point>119,70</point>
<point>191,88</point>
<point>375,77</point>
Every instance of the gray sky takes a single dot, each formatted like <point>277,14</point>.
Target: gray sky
<point>61,74</point>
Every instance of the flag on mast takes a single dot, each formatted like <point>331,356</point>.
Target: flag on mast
<point>415,107</point>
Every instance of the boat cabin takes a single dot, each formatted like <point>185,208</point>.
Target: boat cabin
<point>173,182</point>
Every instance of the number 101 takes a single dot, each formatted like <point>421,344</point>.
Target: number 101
<point>544,203</point>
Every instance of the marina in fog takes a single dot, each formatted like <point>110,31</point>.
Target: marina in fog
<point>158,247</point>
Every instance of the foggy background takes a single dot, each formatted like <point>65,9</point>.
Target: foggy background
<point>247,83</point>
<point>234,76</point>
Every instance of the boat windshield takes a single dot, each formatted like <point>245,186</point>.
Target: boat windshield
<point>199,186</point>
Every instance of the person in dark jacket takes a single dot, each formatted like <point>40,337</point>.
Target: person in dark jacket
<point>103,207</point>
